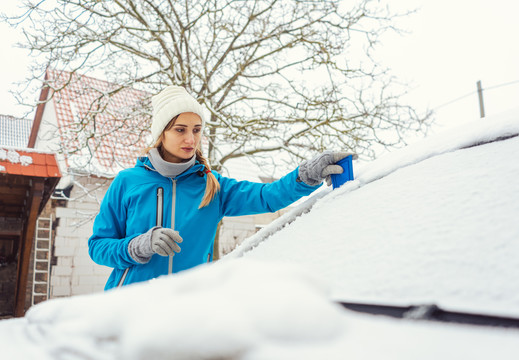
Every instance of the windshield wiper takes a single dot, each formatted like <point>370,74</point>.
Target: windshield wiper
<point>433,313</point>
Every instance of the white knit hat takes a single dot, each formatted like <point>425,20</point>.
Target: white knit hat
<point>170,102</point>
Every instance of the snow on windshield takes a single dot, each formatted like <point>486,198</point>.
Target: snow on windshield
<point>438,226</point>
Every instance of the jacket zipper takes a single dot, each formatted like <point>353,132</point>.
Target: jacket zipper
<point>158,222</point>
<point>160,206</point>
<point>173,200</point>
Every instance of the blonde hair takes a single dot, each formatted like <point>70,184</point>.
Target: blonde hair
<point>212,186</point>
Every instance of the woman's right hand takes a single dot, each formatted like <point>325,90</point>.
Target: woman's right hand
<point>158,240</point>
<point>165,241</point>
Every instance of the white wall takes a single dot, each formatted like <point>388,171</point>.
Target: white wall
<point>75,273</point>
<point>234,230</point>
<point>48,139</point>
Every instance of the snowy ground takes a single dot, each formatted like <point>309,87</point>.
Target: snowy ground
<point>428,223</point>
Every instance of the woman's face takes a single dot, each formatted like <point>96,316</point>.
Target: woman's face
<point>182,139</point>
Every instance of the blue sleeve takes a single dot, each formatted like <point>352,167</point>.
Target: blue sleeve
<point>248,198</point>
<point>108,245</point>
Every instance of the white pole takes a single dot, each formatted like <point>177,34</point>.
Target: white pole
<point>480,96</point>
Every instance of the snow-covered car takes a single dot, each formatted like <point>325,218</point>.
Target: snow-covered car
<point>434,223</point>
<point>429,231</point>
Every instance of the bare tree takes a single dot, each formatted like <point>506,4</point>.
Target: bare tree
<point>290,75</point>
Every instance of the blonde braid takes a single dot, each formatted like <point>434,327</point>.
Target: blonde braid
<point>212,185</point>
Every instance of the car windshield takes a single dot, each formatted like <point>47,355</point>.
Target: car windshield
<point>434,223</point>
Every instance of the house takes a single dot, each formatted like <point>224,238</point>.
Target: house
<point>91,153</point>
<point>59,126</point>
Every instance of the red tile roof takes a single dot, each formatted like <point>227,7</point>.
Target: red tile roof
<point>121,129</point>
<point>28,162</point>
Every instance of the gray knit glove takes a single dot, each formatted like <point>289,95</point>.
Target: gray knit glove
<point>158,240</point>
<point>313,172</point>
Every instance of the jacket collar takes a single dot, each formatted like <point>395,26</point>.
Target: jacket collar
<point>166,168</point>
<point>144,162</point>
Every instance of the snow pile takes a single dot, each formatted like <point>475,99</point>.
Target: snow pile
<point>14,157</point>
<point>25,160</point>
<point>239,310</point>
<point>223,311</point>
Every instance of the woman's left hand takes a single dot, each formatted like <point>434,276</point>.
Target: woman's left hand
<point>313,172</point>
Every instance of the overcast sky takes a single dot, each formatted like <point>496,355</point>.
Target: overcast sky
<point>452,45</point>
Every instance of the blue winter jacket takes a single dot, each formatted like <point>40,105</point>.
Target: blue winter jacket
<point>133,203</point>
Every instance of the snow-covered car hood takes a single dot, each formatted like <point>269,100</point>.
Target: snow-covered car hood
<point>242,310</point>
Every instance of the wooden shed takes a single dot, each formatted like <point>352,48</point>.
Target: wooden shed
<point>27,180</point>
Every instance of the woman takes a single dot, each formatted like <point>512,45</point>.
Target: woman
<point>172,197</point>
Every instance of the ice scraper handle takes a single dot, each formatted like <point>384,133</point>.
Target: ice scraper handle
<point>158,240</point>
<point>313,172</point>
